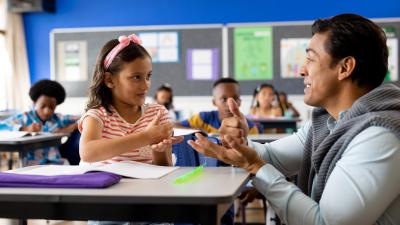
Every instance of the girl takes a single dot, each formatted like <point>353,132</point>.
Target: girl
<point>288,109</point>
<point>118,125</point>
<point>164,96</point>
<point>264,97</point>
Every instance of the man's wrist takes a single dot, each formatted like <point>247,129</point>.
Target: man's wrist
<point>254,167</point>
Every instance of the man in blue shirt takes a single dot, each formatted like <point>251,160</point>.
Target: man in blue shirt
<point>347,157</point>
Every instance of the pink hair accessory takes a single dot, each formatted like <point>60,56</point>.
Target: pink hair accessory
<point>123,42</point>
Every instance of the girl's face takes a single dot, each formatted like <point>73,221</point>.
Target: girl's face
<point>130,86</point>
<point>265,97</point>
<point>163,97</point>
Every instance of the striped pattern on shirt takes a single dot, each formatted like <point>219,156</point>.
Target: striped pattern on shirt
<point>113,126</point>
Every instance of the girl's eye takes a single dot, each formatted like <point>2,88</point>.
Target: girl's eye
<point>148,76</point>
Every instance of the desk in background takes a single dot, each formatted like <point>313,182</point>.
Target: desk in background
<point>277,122</point>
<point>23,144</point>
<point>263,138</point>
<point>202,200</point>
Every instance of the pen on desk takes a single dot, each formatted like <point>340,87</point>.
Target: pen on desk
<point>189,175</point>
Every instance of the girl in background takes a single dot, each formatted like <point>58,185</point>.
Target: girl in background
<point>265,102</point>
<point>164,96</point>
<point>288,109</point>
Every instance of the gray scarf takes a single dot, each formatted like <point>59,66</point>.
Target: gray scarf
<point>380,107</point>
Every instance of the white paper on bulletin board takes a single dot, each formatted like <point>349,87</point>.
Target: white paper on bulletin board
<point>72,61</point>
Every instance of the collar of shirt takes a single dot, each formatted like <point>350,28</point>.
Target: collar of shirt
<point>332,123</point>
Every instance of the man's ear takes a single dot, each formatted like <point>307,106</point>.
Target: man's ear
<point>108,80</point>
<point>346,67</point>
<point>213,101</point>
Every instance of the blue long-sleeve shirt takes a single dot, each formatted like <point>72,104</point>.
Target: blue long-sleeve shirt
<point>363,188</point>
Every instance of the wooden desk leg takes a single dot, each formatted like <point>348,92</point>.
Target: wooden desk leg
<point>10,161</point>
<point>23,222</point>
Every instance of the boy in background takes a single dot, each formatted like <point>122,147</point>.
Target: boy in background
<point>210,121</point>
<point>46,95</point>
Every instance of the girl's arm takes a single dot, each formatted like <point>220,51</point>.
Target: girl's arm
<point>94,148</point>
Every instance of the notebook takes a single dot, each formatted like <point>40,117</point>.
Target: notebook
<point>9,135</point>
<point>128,169</point>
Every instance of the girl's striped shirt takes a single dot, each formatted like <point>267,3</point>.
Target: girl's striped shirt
<point>113,126</point>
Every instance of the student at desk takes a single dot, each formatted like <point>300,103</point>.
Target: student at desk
<point>118,125</point>
<point>347,157</point>
<point>210,121</point>
<point>46,95</point>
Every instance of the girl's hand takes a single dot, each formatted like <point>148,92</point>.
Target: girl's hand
<point>34,127</point>
<point>166,144</point>
<point>156,132</point>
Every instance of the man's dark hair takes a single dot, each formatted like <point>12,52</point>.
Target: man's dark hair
<point>356,36</point>
<point>224,80</point>
<point>48,88</point>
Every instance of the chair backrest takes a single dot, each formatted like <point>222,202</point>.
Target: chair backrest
<point>70,149</point>
<point>187,156</point>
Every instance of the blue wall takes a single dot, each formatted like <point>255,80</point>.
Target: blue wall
<point>92,13</point>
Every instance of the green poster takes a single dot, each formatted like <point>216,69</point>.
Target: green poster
<point>253,53</point>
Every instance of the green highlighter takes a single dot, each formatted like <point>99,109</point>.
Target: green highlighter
<point>189,175</point>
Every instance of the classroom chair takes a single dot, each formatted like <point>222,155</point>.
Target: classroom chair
<point>70,149</point>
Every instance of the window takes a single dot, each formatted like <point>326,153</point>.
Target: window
<point>4,62</point>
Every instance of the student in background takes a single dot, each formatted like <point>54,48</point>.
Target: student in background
<point>347,156</point>
<point>118,125</point>
<point>265,102</point>
<point>164,96</point>
<point>288,109</point>
<point>46,95</point>
<point>210,121</point>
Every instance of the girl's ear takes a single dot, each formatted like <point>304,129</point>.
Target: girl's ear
<point>108,80</point>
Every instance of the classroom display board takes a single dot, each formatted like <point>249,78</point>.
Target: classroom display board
<point>289,42</point>
<point>191,58</point>
<point>188,58</point>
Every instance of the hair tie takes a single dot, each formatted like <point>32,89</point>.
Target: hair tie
<point>123,42</point>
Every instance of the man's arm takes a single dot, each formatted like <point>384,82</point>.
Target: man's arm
<point>361,187</point>
<point>285,154</point>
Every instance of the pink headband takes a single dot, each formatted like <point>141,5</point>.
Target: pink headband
<point>123,42</point>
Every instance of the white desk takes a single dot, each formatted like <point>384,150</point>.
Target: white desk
<point>263,138</point>
<point>276,122</point>
<point>203,200</point>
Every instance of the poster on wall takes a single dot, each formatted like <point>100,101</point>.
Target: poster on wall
<point>393,60</point>
<point>293,55</point>
<point>253,53</point>
<point>72,61</point>
<point>162,46</point>
<point>202,64</point>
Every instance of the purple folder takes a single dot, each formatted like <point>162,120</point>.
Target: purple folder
<point>87,180</point>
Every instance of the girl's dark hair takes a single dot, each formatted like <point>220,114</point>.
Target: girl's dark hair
<point>99,93</point>
<point>48,88</point>
<point>356,36</point>
<point>255,103</point>
<point>168,88</point>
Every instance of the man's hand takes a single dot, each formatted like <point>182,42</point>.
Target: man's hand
<point>237,154</point>
<point>235,126</point>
